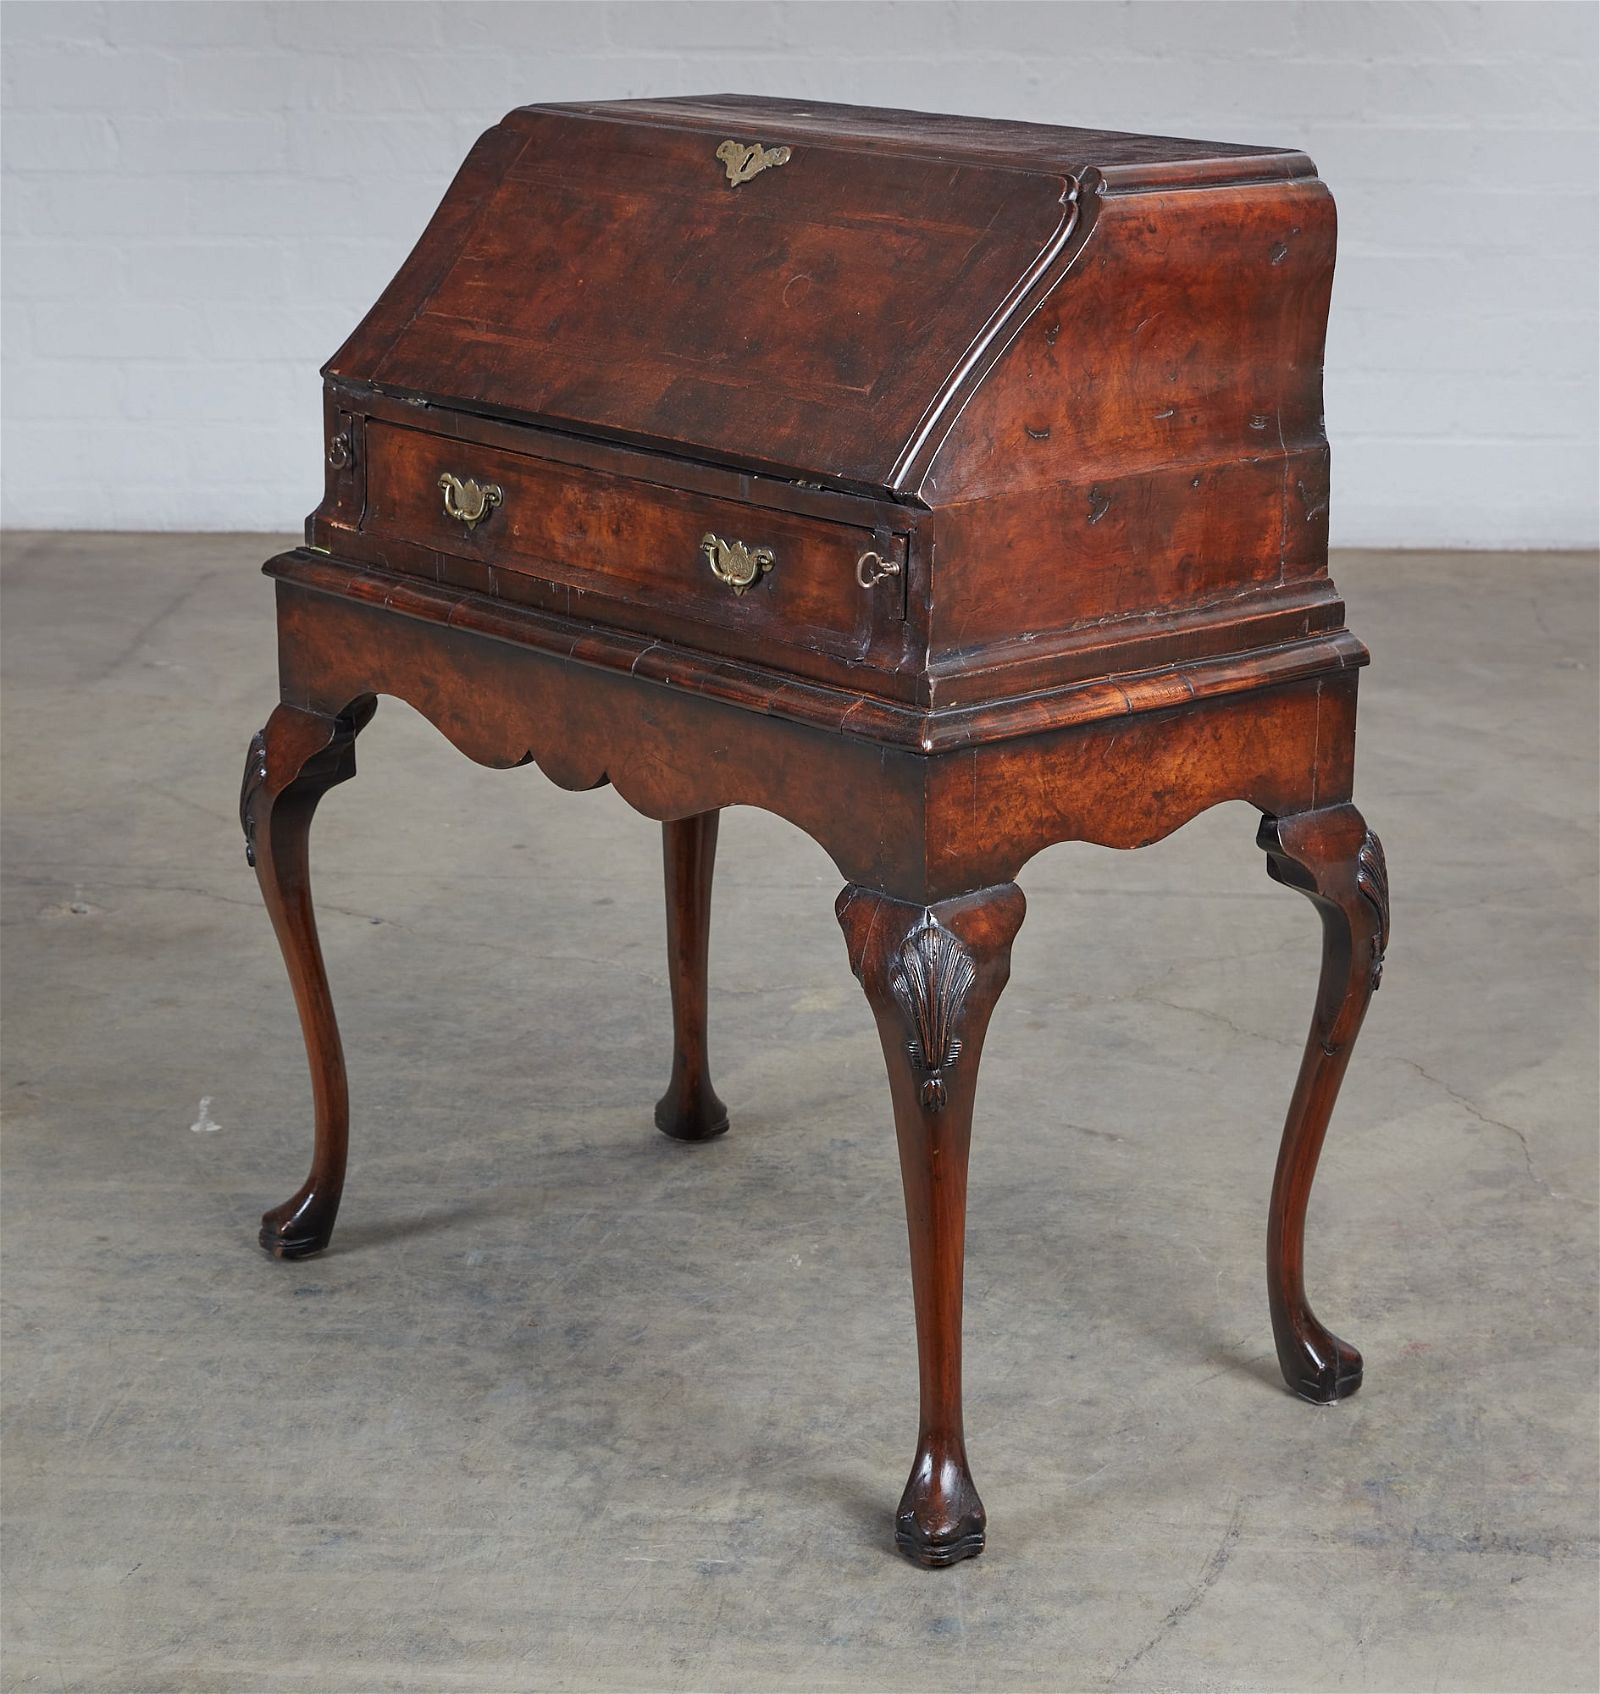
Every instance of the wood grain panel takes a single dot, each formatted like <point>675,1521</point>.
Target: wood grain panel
<point>614,282</point>
<point>590,530</point>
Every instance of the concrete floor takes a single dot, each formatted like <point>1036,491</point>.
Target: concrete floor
<point>570,1406</point>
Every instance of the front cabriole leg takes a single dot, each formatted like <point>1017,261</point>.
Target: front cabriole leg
<point>292,763</point>
<point>932,975</point>
<point>1332,857</point>
<point>690,1109</point>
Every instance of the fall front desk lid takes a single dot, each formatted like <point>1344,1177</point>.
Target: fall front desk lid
<point>802,289</point>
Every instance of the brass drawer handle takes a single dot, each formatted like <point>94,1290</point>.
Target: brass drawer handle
<point>469,502</point>
<point>736,562</point>
<point>872,568</point>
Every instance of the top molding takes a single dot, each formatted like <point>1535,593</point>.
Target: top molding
<point>1122,163</point>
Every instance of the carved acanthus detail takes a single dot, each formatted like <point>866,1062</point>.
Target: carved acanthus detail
<point>931,976</point>
<point>1372,879</point>
<point>255,777</point>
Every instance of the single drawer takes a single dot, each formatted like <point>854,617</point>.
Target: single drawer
<point>632,546</point>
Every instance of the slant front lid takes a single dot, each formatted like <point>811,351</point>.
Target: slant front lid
<point>634,270</point>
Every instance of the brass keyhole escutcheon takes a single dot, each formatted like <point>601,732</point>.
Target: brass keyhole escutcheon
<point>736,562</point>
<point>467,501</point>
<point>743,160</point>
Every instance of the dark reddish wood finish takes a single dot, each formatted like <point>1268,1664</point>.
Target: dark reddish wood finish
<point>932,975</point>
<point>1173,457</point>
<point>690,1109</point>
<point>1066,383</point>
<point>1332,857</point>
<point>596,709</point>
<point>600,540</point>
<point>1075,376</point>
<point>291,764</point>
<point>669,309</point>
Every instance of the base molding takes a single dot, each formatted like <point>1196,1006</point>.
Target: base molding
<point>775,693</point>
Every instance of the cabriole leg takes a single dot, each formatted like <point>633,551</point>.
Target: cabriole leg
<point>932,975</point>
<point>690,1109</point>
<point>1332,857</point>
<point>292,763</point>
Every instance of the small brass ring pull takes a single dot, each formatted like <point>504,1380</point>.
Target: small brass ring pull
<point>872,568</point>
<point>469,502</point>
<point>736,562</point>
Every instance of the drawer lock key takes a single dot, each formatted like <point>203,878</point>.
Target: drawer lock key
<point>872,568</point>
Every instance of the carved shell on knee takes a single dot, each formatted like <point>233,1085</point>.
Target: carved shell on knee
<point>932,974</point>
<point>1372,880</point>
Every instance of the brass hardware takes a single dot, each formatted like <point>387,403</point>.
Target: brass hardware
<point>872,568</point>
<point>736,563</point>
<point>469,502</point>
<point>341,455</point>
<point>744,162</point>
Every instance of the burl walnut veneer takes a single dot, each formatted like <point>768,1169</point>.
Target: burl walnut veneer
<point>948,487</point>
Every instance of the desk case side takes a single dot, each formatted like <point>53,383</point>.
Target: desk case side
<point>1150,445</point>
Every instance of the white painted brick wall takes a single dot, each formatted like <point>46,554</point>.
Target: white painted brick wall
<point>200,200</point>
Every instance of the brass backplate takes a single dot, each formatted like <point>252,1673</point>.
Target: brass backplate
<point>467,501</point>
<point>747,159</point>
<point>736,562</point>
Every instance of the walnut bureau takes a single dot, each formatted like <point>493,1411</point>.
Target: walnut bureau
<point>951,488</point>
